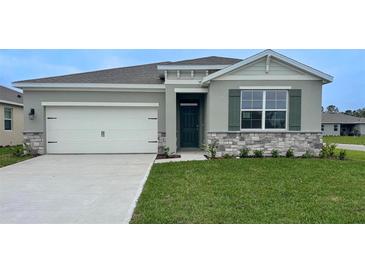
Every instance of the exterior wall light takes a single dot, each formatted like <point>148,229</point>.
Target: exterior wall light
<point>31,114</point>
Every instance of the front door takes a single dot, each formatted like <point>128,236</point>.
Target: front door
<point>189,125</point>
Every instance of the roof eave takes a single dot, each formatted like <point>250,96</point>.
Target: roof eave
<point>30,85</point>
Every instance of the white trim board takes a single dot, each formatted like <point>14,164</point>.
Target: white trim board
<point>11,103</point>
<point>191,90</point>
<point>267,77</point>
<point>265,87</point>
<point>190,67</point>
<point>88,86</point>
<point>98,104</point>
<point>186,82</point>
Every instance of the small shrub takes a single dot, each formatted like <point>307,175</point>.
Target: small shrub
<point>258,153</point>
<point>275,153</point>
<point>29,150</point>
<point>289,153</point>
<point>166,151</point>
<point>244,152</point>
<point>328,151</point>
<point>18,151</point>
<point>211,149</point>
<point>228,156</point>
<point>307,154</point>
<point>342,155</point>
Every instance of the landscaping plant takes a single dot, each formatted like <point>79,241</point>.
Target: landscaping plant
<point>307,154</point>
<point>275,153</point>
<point>342,154</point>
<point>211,149</point>
<point>258,153</point>
<point>328,151</point>
<point>166,151</point>
<point>244,152</point>
<point>289,153</point>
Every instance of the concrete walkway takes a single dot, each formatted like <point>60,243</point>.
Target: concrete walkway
<point>196,155</point>
<point>351,147</point>
<point>86,189</point>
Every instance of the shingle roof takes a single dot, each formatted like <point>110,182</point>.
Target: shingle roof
<point>211,60</point>
<point>340,118</point>
<point>142,74</point>
<point>10,95</point>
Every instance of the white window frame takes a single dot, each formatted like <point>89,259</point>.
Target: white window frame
<point>7,119</point>
<point>263,111</point>
<point>335,127</point>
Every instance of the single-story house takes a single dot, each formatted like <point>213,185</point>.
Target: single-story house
<point>342,124</point>
<point>263,102</point>
<point>11,117</point>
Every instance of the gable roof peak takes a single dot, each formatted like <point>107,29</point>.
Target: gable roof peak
<point>269,52</point>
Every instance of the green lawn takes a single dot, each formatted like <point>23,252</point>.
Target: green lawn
<point>356,140</point>
<point>255,191</point>
<point>354,155</point>
<point>7,157</point>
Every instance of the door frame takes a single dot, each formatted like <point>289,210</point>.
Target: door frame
<point>197,104</point>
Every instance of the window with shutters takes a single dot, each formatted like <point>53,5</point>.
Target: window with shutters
<point>264,109</point>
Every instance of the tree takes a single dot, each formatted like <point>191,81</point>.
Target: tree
<point>348,112</point>
<point>332,108</point>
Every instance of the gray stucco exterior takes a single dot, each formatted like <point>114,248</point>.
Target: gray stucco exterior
<point>213,97</point>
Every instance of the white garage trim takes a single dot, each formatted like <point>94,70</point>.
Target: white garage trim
<point>98,104</point>
<point>101,128</point>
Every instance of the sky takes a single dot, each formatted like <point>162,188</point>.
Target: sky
<point>347,91</point>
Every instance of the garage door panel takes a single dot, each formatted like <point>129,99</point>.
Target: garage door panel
<point>101,129</point>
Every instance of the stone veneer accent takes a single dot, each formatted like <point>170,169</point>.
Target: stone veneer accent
<point>161,142</point>
<point>300,142</point>
<point>35,140</point>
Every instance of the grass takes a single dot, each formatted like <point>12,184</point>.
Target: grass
<point>255,191</point>
<point>356,140</point>
<point>354,155</point>
<point>7,157</point>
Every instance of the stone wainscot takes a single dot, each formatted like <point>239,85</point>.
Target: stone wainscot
<point>232,142</point>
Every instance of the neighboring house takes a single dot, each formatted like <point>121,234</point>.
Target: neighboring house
<point>11,117</point>
<point>342,124</point>
<point>263,102</point>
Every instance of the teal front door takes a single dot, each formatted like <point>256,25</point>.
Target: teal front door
<point>189,125</point>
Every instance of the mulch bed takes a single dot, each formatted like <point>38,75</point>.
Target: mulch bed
<point>163,156</point>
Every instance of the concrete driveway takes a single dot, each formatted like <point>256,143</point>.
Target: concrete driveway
<point>73,188</point>
<point>351,147</point>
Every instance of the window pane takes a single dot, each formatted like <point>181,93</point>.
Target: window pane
<point>275,119</point>
<point>251,119</point>
<point>270,95</point>
<point>247,95</point>
<point>257,95</point>
<point>281,95</point>
<point>281,104</point>
<point>276,99</point>
<point>246,104</point>
<point>7,124</point>
<point>257,104</point>
<point>7,113</point>
<point>270,105</point>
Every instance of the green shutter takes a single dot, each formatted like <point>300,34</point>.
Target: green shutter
<point>295,109</point>
<point>234,110</point>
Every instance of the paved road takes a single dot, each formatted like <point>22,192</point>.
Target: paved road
<point>72,188</point>
<point>351,147</point>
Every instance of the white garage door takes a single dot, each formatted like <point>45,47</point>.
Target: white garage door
<point>99,129</point>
